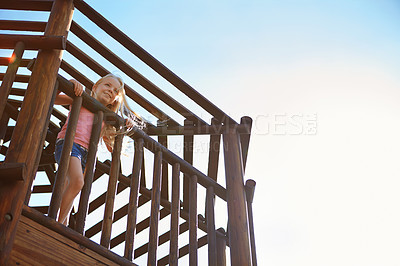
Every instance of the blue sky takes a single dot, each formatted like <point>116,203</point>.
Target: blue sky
<point>320,80</point>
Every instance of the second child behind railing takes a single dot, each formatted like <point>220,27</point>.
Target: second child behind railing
<point>108,90</point>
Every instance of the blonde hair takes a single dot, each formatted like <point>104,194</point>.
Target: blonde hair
<point>121,107</point>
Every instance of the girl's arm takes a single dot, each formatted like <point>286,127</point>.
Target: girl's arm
<point>63,99</point>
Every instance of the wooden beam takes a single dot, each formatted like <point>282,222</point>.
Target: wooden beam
<point>236,199</point>
<point>36,5</point>
<point>12,172</point>
<point>30,130</point>
<point>74,236</point>
<point>33,42</point>
<point>35,26</point>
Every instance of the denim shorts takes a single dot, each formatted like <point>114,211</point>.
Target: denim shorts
<point>77,151</point>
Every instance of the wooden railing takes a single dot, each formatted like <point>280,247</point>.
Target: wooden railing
<point>182,203</point>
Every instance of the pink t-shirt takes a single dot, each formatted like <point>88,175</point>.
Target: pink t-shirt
<point>83,129</point>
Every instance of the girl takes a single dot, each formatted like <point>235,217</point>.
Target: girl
<point>108,90</point>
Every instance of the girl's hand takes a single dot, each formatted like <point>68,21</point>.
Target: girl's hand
<point>129,123</point>
<point>78,88</point>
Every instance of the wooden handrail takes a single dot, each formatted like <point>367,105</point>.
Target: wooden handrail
<point>100,70</point>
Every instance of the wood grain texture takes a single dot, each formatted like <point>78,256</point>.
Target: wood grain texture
<point>37,245</point>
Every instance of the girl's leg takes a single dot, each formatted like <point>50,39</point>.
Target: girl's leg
<point>72,189</point>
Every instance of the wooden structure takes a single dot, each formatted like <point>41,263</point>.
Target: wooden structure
<point>30,234</point>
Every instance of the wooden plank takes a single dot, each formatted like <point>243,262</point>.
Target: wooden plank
<point>175,213</point>
<point>133,199</point>
<point>72,235</point>
<point>33,42</point>
<point>155,210</point>
<point>30,130</point>
<point>37,245</point>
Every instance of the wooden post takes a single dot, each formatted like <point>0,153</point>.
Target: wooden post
<point>9,77</point>
<point>163,140</point>
<point>58,187</point>
<point>193,221</point>
<point>89,173</point>
<point>187,156</point>
<point>175,214</point>
<point>245,139</point>
<point>155,210</point>
<point>236,199</point>
<point>111,191</point>
<point>28,138</point>
<point>211,235</point>
<point>221,248</point>
<point>249,187</point>
<point>133,199</point>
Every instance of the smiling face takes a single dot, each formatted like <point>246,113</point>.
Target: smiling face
<point>107,90</point>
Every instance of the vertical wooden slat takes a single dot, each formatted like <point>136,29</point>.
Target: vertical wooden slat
<point>175,214</point>
<point>133,199</point>
<point>249,187</point>
<point>236,199</point>
<point>9,77</point>
<point>211,235</point>
<point>111,191</point>
<point>164,186</point>
<point>155,210</point>
<point>28,134</point>
<point>221,248</point>
<point>193,221</point>
<point>65,158</point>
<point>90,163</point>
<point>213,156</point>
<point>187,156</point>
<point>245,139</point>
